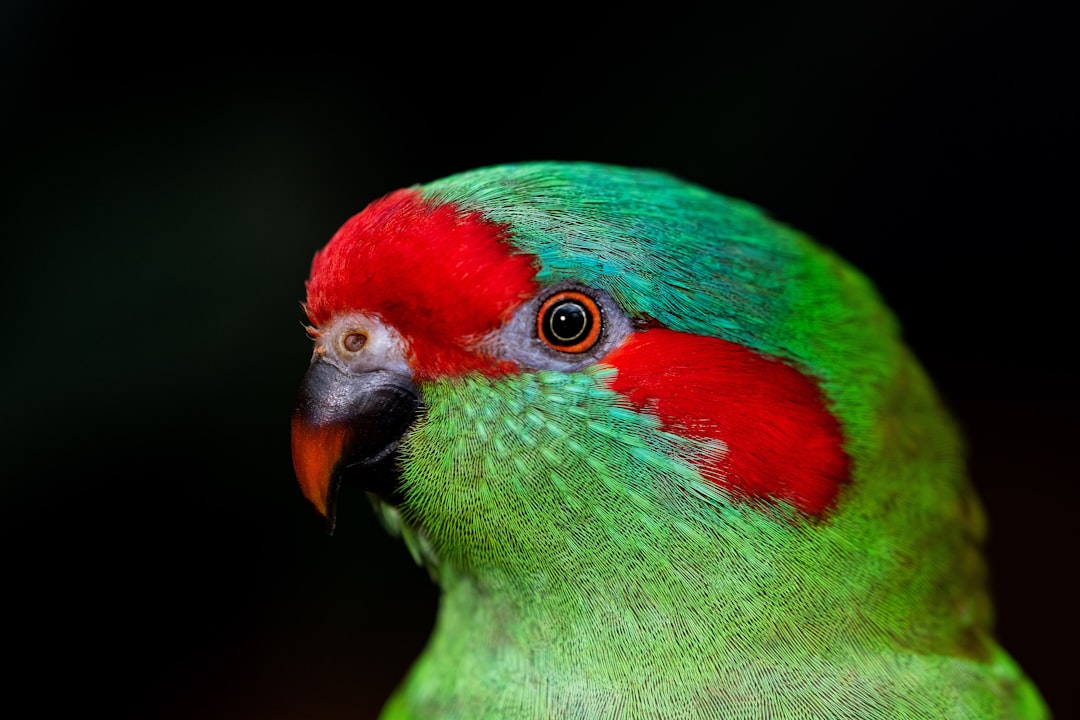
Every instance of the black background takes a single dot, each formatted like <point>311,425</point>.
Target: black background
<point>167,175</point>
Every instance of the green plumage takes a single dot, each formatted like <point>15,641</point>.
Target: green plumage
<point>589,570</point>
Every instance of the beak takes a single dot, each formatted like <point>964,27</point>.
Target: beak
<point>349,425</point>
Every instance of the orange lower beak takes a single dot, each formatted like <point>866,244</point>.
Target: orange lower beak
<point>316,451</point>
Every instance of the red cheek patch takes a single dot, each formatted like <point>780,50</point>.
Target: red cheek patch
<point>783,443</point>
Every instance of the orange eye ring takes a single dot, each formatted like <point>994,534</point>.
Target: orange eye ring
<point>569,321</point>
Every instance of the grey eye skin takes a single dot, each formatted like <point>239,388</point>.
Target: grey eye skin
<point>566,327</point>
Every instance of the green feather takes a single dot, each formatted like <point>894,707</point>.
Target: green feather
<point>589,571</point>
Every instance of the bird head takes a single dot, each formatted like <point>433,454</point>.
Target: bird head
<point>555,369</point>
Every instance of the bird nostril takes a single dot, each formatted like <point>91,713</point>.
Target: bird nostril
<point>355,341</point>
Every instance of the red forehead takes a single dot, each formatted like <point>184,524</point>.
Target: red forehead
<point>441,276</point>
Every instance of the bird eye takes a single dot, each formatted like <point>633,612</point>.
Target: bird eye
<point>569,321</point>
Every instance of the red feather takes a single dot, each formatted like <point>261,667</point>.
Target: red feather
<point>783,443</point>
<point>442,277</point>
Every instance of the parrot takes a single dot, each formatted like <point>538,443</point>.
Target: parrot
<point>663,454</point>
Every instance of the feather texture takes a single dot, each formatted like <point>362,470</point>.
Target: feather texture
<point>601,544</point>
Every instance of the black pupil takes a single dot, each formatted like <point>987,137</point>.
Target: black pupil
<point>567,323</point>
